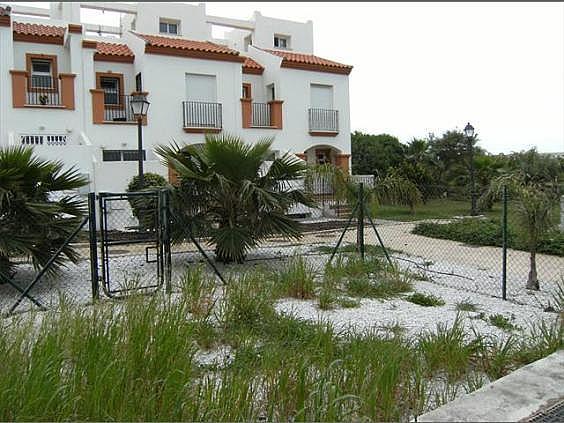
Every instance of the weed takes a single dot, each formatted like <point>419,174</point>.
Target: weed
<point>346,302</point>
<point>502,322</point>
<point>297,279</point>
<point>425,300</point>
<point>466,305</point>
<point>447,349</point>
<point>197,290</point>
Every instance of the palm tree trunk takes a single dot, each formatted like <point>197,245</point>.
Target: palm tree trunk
<point>532,281</point>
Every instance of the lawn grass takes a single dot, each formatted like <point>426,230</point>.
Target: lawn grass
<point>433,209</point>
<point>137,360</point>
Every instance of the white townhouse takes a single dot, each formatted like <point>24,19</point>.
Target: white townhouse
<point>65,86</point>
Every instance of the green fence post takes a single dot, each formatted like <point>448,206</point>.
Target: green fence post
<point>360,221</point>
<point>93,245</point>
<point>504,246</point>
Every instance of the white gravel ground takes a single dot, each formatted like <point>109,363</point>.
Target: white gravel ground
<point>382,314</point>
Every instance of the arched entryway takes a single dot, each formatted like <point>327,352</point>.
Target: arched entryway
<point>323,154</point>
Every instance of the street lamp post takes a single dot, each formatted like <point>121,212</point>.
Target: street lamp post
<point>469,132</point>
<point>139,107</point>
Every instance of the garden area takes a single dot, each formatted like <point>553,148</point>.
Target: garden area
<point>272,345</point>
<point>260,315</point>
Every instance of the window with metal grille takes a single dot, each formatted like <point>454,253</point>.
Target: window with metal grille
<point>121,155</point>
<point>132,155</point>
<point>111,155</point>
<point>41,73</point>
<point>111,87</point>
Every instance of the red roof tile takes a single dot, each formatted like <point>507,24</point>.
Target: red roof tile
<point>294,60</point>
<point>113,49</point>
<point>38,30</point>
<point>250,66</point>
<point>183,44</point>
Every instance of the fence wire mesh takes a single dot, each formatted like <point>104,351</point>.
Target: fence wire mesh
<point>437,241</point>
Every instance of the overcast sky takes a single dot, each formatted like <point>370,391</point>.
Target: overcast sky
<point>430,67</point>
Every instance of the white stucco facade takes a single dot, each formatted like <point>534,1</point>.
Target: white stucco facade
<point>163,72</point>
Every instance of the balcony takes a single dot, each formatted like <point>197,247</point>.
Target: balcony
<point>118,108</point>
<point>323,122</point>
<point>201,117</point>
<point>42,91</point>
<point>262,115</point>
<point>112,108</point>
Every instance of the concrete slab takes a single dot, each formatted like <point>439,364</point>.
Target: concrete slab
<point>511,398</point>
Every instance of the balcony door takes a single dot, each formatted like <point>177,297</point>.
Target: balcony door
<point>201,108</point>
<point>321,96</point>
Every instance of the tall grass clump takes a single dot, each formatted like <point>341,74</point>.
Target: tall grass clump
<point>447,349</point>
<point>198,291</point>
<point>297,279</point>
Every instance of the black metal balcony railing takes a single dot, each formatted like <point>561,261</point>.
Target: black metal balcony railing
<point>43,92</point>
<point>118,109</point>
<point>323,120</point>
<point>261,114</point>
<point>201,114</point>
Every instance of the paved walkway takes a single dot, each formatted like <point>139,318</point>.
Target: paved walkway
<point>512,398</point>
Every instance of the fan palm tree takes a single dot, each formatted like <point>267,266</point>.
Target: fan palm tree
<point>231,192</point>
<point>32,224</point>
<point>533,187</point>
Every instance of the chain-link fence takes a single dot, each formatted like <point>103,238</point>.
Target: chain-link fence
<point>132,242</point>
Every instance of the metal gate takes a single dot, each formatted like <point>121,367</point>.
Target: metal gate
<point>134,242</point>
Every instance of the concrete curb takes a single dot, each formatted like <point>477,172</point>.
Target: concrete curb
<point>511,398</point>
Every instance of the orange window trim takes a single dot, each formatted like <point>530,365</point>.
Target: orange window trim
<point>119,76</point>
<point>54,74</point>
<point>248,87</point>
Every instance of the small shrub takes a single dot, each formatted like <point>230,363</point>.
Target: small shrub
<point>502,322</point>
<point>145,208</point>
<point>349,302</point>
<point>425,300</point>
<point>297,279</point>
<point>466,305</point>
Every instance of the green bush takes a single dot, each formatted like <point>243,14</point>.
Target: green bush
<point>144,208</point>
<point>489,232</point>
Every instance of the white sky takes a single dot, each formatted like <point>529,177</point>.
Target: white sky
<point>430,67</point>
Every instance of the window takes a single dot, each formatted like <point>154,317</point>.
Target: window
<point>281,41</point>
<point>111,90</point>
<point>112,84</point>
<point>132,155</point>
<point>42,69</point>
<point>121,155</point>
<point>41,76</point>
<point>246,90</point>
<point>169,26</point>
<point>321,96</point>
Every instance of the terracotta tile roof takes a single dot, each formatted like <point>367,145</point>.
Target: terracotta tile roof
<point>113,49</point>
<point>304,61</point>
<point>188,48</point>
<point>39,30</point>
<point>252,67</point>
